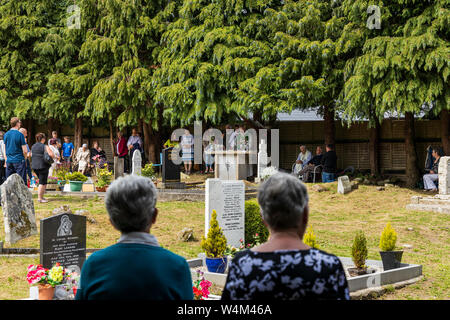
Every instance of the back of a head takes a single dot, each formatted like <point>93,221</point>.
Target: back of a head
<point>330,147</point>
<point>283,199</point>
<point>130,202</point>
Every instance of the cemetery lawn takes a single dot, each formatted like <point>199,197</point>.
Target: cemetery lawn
<point>335,218</point>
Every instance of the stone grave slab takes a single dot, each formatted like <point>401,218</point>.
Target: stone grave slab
<point>18,210</point>
<point>63,240</point>
<point>170,170</point>
<point>344,185</point>
<point>119,167</point>
<point>228,199</point>
<point>444,176</point>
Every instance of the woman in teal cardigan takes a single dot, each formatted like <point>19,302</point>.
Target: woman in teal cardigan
<point>136,268</point>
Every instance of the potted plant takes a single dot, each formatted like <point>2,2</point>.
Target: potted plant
<point>61,173</point>
<point>359,255</point>
<point>76,180</point>
<point>215,245</point>
<point>103,179</point>
<point>46,279</point>
<point>389,256</point>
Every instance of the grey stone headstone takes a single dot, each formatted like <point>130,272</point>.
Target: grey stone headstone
<point>137,163</point>
<point>119,165</point>
<point>18,210</point>
<point>63,240</point>
<point>228,199</point>
<point>344,185</point>
<point>444,176</point>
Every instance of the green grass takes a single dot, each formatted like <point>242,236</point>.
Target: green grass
<point>335,219</point>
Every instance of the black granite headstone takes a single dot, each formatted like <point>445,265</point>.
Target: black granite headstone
<point>63,240</point>
<point>170,171</point>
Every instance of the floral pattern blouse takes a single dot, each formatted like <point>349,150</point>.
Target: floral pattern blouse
<point>286,275</point>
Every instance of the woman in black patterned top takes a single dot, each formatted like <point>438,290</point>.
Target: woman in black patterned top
<point>284,267</point>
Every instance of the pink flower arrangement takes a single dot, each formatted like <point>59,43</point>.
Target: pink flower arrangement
<point>201,287</point>
<point>36,274</point>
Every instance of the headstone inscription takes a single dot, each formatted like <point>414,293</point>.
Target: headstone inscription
<point>137,163</point>
<point>18,210</point>
<point>63,240</point>
<point>170,171</point>
<point>344,185</point>
<point>119,165</point>
<point>228,199</point>
<point>444,176</point>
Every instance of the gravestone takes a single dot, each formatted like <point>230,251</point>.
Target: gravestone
<point>170,170</point>
<point>444,176</point>
<point>63,240</point>
<point>344,185</point>
<point>18,210</point>
<point>136,168</point>
<point>228,199</point>
<point>119,165</point>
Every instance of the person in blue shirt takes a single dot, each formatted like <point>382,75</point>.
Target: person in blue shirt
<point>67,149</point>
<point>136,268</point>
<point>16,150</point>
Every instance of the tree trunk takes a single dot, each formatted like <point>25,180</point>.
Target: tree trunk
<point>445,131</point>
<point>412,171</point>
<point>50,127</point>
<point>111,137</point>
<point>374,139</point>
<point>328,117</point>
<point>149,143</point>
<point>78,135</point>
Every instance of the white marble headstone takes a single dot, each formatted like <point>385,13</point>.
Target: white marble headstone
<point>344,185</point>
<point>444,176</point>
<point>137,163</point>
<point>119,165</point>
<point>228,199</point>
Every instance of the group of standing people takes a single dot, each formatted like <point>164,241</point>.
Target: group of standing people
<point>124,148</point>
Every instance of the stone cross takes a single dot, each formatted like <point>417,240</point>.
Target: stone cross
<point>444,176</point>
<point>137,163</point>
<point>18,210</point>
<point>344,185</point>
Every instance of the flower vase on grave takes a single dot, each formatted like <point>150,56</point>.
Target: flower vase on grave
<point>46,292</point>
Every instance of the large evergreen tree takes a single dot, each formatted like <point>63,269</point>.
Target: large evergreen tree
<point>403,67</point>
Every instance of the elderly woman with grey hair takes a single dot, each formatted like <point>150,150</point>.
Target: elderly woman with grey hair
<point>136,268</point>
<point>284,267</point>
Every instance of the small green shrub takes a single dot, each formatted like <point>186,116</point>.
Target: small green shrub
<point>215,244</point>
<point>359,250</point>
<point>76,176</point>
<point>254,224</point>
<point>388,238</point>
<point>148,171</point>
<point>310,238</point>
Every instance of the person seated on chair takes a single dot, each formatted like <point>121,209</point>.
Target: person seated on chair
<point>329,163</point>
<point>302,160</point>
<point>97,155</point>
<point>430,178</point>
<point>312,164</point>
